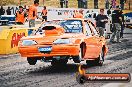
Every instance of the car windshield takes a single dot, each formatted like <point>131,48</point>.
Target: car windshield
<point>70,26</point>
<point>50,22</point>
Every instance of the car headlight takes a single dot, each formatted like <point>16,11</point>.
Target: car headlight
<point>28,42</point>
<point>62,41</point>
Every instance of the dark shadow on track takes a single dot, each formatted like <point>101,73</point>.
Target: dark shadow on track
<point>69,68</point>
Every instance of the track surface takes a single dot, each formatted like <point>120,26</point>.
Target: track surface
<point>16,72</point>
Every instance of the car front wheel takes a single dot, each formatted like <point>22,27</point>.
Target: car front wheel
<point>31,61</point>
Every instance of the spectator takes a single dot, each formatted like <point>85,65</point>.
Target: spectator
<point>13,11</point>
<point>122,25</point>
<point>101,20</point>
<point>2,11</point>
<point>66,3</point>
<point>95,4</point>
<point>32,15</point>
<point>122,2</point>
<point>116,21</point>
<point>8,11</point>
<point>79,3</point>
<point>20,16</point>
<point>107,4</point>
<point>44,14</point>
<point>85,4</point>
<point>113,3</point>
<point>62,3</point>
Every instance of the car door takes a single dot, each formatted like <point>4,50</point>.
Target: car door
<point>92,42</point>
<point>96,35</point>
<point>97,38</point>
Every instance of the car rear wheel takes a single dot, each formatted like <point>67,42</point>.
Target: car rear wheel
<point>61,62</point>
<point>99,61</point>
<point>78,59</point>
<point>90,62</point>
<point>31,61</point>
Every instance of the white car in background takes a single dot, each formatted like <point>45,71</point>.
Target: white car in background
<point>128,22</point>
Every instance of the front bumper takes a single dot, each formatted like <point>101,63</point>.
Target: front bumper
<point>57,50</point>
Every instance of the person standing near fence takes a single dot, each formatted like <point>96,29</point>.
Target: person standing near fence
<point>122,2</point>
<point>101,20</point>
<point>61,3</point>
<point>20,16</point>
<point>113,3</point>
<point>122,25</point>
<point>44,14</point>
<point>32,14</point>
<point>66,3</point>
<point>107,4</point>
<point>85,4</point>
<point>2,11</point>
<point>116,21</point>
<point>8,11</point>
<point>95,4</point>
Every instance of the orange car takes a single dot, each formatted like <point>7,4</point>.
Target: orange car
<point>56,42</point>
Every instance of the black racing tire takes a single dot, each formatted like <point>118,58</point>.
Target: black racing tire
<point>99,61</point>
<point>89,62</point>
<point>31,61</point>
<point>79,58</point>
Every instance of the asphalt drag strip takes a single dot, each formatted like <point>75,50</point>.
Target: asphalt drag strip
<point>16,72</point>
